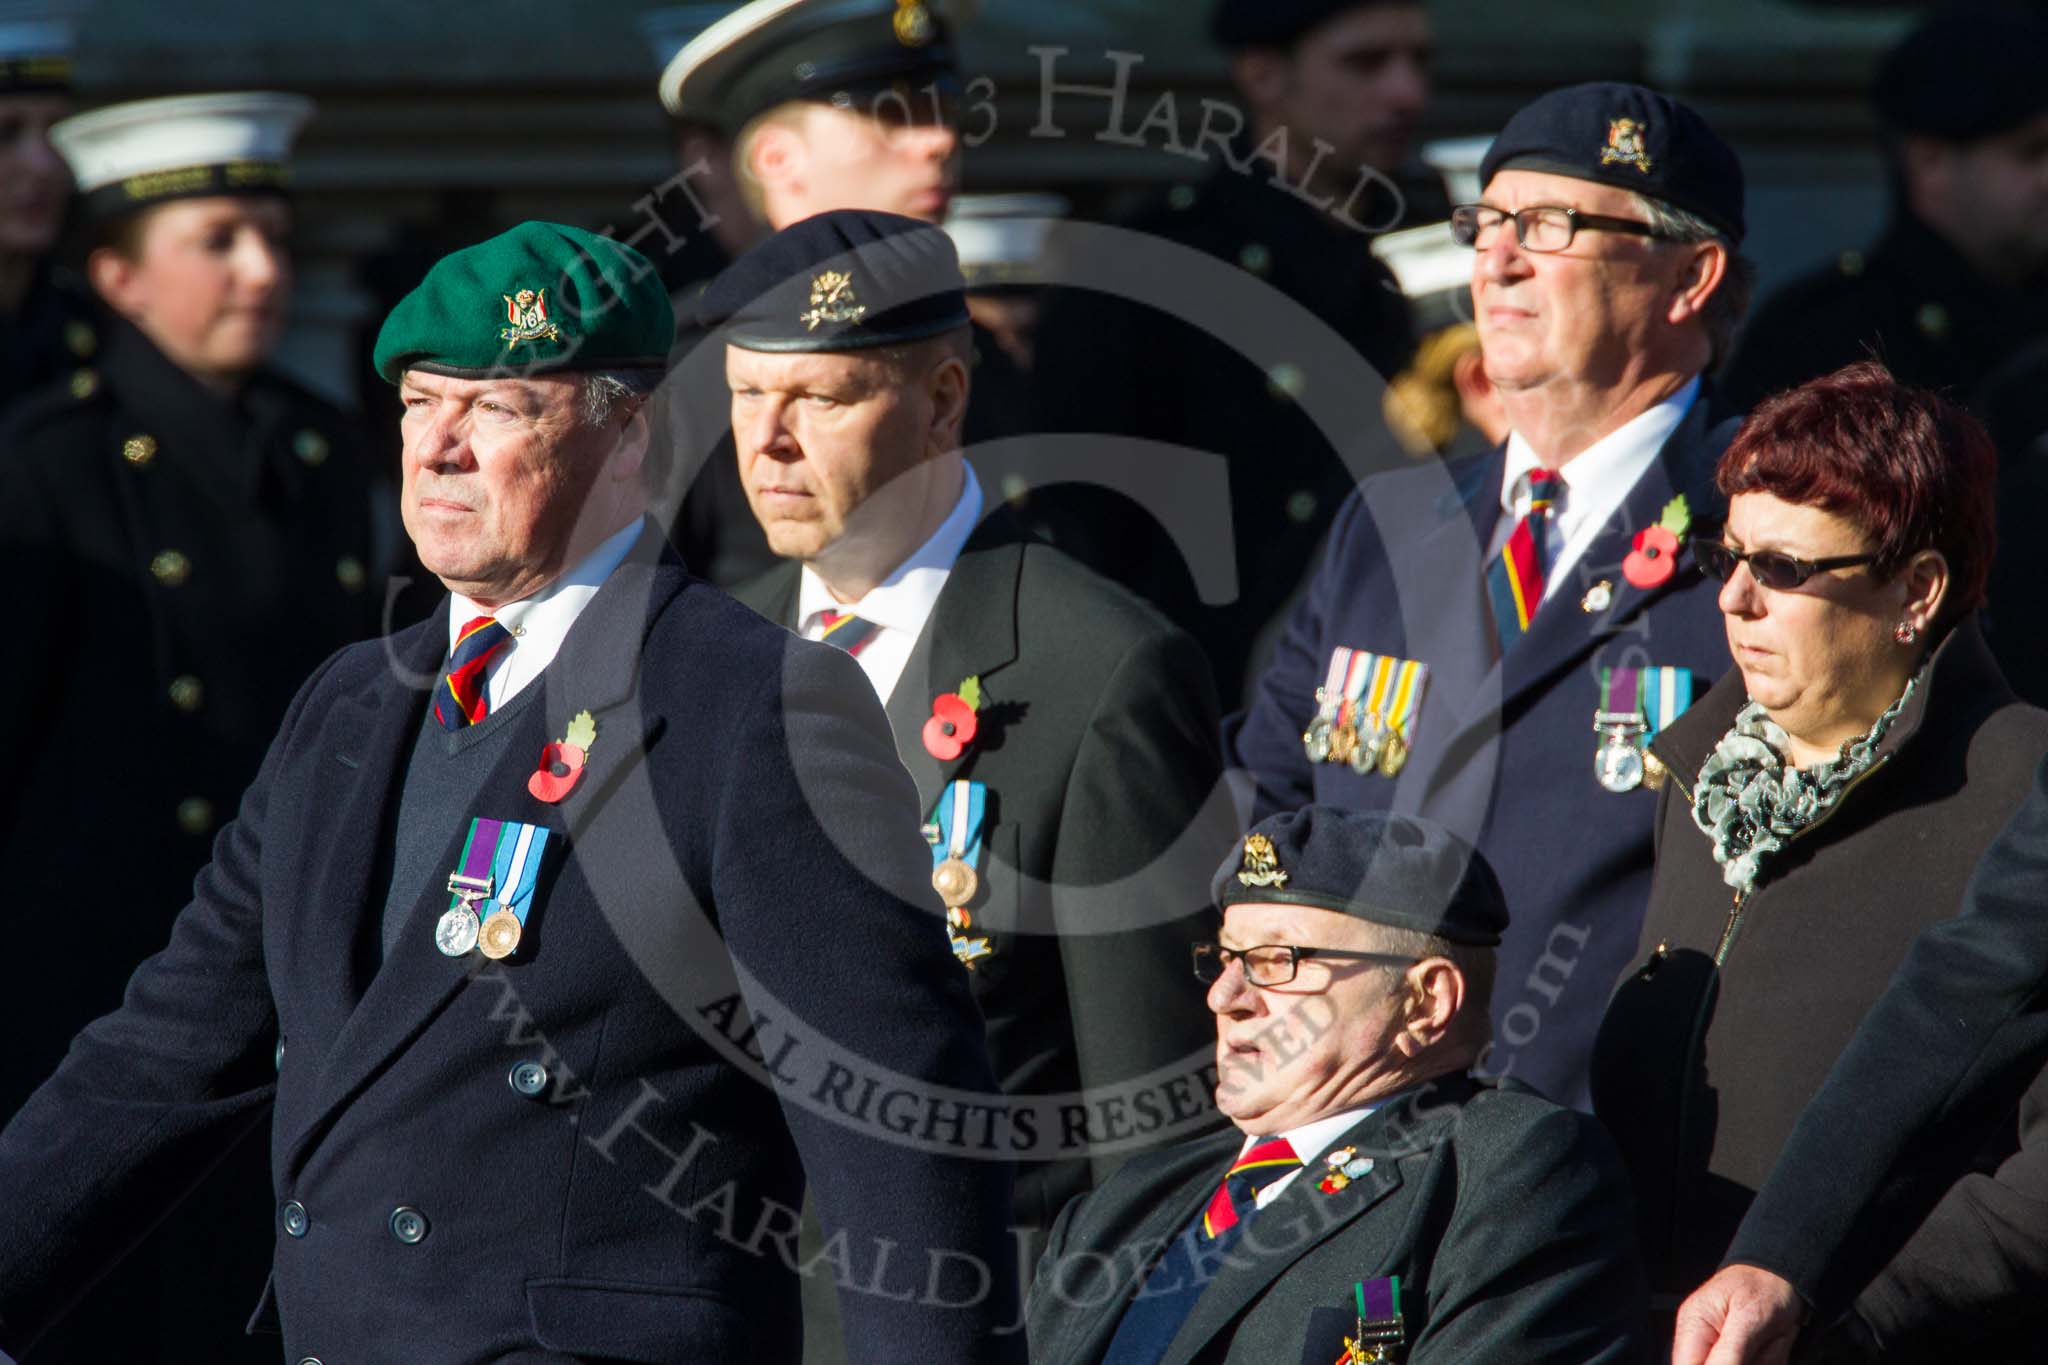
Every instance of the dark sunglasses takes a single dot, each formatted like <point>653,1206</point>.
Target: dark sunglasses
<point>1767,567</point>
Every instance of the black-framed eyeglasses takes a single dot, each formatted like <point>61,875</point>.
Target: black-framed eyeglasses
<point>1768,567</point>
<point>1274,964</point>
<point>1543,227</point>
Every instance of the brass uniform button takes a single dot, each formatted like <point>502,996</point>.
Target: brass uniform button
<point>311,448</point>
<point>79,337</point>
<point>1286,382</point>
<point>171,568</point>
<point>1301,506</point>
<point>139,451</point>
<point>195,815</point>
<point>349,572</point>
<point>1255,258</point>
<point>84,383</point>
<point>1932,320</point>
<point>1181,198</point>
<point>187,693</point>
<point>1850,263</point>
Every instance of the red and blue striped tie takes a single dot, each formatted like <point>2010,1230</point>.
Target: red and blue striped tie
<point>1515,577</point>
<point>846,631</point>
<point>1265,1163</point>
<point>460,700</point>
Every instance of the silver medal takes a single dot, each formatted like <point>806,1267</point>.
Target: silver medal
<point>1619,764</point>
<point>457,931</point>
<point>1317,740</point>
<point>1372,739</point>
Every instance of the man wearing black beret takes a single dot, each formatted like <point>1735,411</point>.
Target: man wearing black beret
<point>1490,643</point>
<point>1374,1201</point>
<point>1061,734</point>
<point>1311,162</point>
<point>827,104</point>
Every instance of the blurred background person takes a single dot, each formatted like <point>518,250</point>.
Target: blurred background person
<point>826,105</point>
<point>186,534</point>
<point>1828,798</point>
<point>45,323</point>
<point>1954,293</point>
<point>1332,93</point>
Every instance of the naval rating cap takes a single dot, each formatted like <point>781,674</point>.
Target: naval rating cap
<point>840,281</point>
<point>38,39</point>
<point>538,298</point>
<point>129,156</point>
<point>854,54</point>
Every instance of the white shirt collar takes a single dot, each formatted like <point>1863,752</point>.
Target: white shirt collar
<point>541,622</point>
<point>1311,1140</point>
<point>903,601</point>
<point>1598,478</point>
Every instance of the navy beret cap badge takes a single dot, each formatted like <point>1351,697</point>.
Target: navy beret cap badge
<point>833,300</point>
<point>914,24</point>
<point>527,311</point>
<point>1261,863</point>
<point>1625,145</point>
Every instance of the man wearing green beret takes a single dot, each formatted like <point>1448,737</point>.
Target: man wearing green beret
<point>549,931</point>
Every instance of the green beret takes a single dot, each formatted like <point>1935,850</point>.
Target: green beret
<point>539,298</point>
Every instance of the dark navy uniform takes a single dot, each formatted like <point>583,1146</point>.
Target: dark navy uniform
<point>1106,365</point>
<point>178,561</point>
<point>53,336</point>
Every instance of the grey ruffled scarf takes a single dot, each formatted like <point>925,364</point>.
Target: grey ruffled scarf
<point>1750,800</point>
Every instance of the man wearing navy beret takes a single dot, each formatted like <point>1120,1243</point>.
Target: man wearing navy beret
<point>1491,643</point>
<point>547,931</point>
<point>1061,734</point>
<point>1374,1201</point>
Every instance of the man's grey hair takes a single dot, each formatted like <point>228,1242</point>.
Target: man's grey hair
<point>603,390</point>
<point>1473,1028</point>
<point>1729,303</point>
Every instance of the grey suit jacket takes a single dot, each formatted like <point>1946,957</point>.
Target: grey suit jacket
<point>1507,1218</point>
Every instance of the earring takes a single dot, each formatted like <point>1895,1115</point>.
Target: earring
<point>1905,632</point>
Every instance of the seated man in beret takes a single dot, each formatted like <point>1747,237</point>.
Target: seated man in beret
<point>540,925</point>
<point>1374,1202</point>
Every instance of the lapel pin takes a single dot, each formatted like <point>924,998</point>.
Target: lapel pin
<point>1598,598</point>
<point>561,763</point>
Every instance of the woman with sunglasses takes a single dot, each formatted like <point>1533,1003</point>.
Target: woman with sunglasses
<point>1827,799</point>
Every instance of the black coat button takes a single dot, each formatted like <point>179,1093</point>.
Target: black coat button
<point>294,1219</point>
<point>310,1360</point>
<point>529,1078</point>
<point>408,1225</point>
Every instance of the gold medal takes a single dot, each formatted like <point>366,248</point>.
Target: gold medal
<point>1394,754</point>
<point>500,935</point>
<point>955,882</point>
<point>1343,743</point>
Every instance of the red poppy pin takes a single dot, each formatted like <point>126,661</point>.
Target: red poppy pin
<point>1655,556</point>
<point>953,725</point>
<point>561,763</point>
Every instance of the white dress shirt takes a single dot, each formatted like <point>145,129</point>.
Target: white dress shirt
<point>1596,481</point>
<point>1309,1141</point>
<point>901,603</point>
<point>539,623</point>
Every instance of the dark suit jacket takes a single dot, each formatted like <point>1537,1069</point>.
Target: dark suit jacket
<point>1097,743</point>
<point>1503,752</point>
<point>1506,1217</point>
<point>1944,1057</point>
<point>727,927</point>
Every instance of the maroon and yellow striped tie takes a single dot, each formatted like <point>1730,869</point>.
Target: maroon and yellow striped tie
<point>460,701</point>
<point>1266,1162</point>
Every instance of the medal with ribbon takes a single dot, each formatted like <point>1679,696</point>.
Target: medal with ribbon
<point>1366,710</point>
<point>955,836</point>
<point>1634,705</point>
<point>1380,1331</point>
<point>493,889</point>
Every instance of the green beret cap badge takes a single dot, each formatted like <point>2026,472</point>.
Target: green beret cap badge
<point>539,298</point>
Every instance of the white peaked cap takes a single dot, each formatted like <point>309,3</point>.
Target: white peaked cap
<point>124,142</point>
